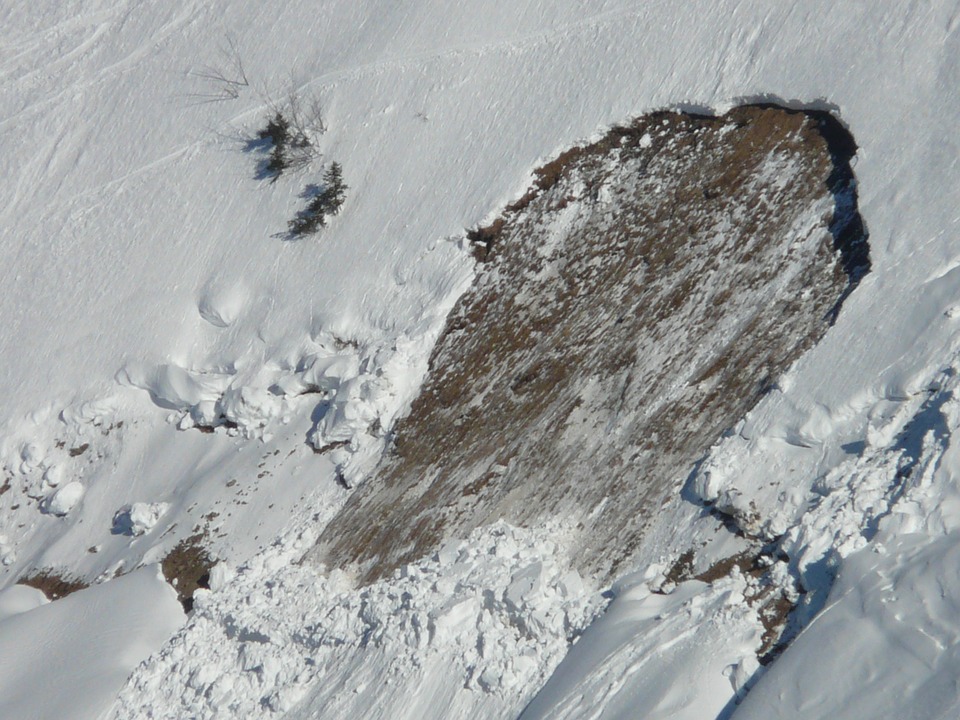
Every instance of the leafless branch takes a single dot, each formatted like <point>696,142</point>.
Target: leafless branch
<point>225,78</point>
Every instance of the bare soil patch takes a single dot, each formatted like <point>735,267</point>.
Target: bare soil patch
<point>53,584</point>
<point>634,304</point>
<point>187,568</point>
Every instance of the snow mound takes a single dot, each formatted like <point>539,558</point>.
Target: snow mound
<point>65,499</point>
<point>222,305</point>
<point>20,598</point>
<point>68,658</point>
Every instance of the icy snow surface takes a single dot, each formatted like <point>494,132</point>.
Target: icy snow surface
<point>144,293</point>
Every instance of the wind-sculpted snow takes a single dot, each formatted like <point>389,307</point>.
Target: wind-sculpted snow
<point>69,658</point>
<point>633,305</point>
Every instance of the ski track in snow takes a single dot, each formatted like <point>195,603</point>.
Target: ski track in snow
<point>130,219</point>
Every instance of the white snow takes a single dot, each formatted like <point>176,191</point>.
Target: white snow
<point>138,518</point>
<point>66,498</point>
<point>656,656</point>
<point>69,658</point>
<point>477,627</point>
<point>142,283</point>
<point>19,598</point>
<point>885,646</point>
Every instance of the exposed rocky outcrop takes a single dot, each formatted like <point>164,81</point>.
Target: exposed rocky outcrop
<point>630,308</point>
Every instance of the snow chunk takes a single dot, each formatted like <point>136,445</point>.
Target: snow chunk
<point>525,586</point>
<point>743,674</point>
<point>174,387</point>
<point>139,518</point>
<point>32,456</point>
<point>8,552</point>
<point>250,409</point>
<point>53,475</point>
<point>65,499</point>
<point>220,576</point>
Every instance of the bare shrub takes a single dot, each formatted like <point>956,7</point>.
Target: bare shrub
<point>292,131</point>
<point>225,78</point>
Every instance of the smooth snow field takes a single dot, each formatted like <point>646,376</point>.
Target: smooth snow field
<point>174,365</point>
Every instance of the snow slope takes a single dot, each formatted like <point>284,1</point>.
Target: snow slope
<point>130,216</point>
<point>685,654</point>
<point>69,658</point>
<point>886,644</point>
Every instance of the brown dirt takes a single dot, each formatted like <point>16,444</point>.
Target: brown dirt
<point>53,584</point>
<point>682,569</point>
<point>633,305</point>
<point>771,601</point>
<point>187,568</point>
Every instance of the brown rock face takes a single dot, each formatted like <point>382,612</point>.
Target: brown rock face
<point>630,308</point>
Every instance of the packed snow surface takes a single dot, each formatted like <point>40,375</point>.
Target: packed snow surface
<point>146,297</point>
<point>69,658</point>
<point>886,643</point>
<point>634,657</point>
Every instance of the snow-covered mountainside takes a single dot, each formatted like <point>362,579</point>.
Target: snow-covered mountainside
<point>178,373</point>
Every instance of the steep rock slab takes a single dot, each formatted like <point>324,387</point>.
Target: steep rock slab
<point>630,308</point>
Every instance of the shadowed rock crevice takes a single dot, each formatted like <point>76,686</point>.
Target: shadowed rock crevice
<point>634,304</point>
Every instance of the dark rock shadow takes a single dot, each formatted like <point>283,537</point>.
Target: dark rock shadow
<point>122,523</point>
<point>849,231</point>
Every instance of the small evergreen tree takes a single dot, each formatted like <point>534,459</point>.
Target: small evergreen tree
<point>278,132</point>
<point>327,202</point>
<point>292,132</point>
<point>334,189</point>
<point>277,129</point>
